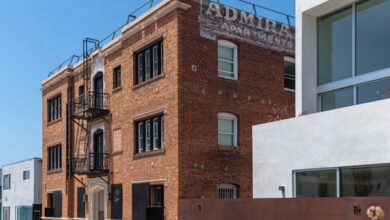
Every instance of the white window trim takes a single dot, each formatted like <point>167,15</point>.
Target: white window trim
<point>228,116</point>
<point>290,60</point>
<point>233,46</point>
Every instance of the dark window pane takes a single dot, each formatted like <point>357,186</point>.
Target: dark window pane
<point>369,181</point>
<point>289,75</point>
<point>117,77</point>
<point>335,47</point>
<point>372,36</point>
<point>140,61</point>
<point>316,183</point>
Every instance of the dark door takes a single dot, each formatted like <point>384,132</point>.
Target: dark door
<point>140,200</point>
<point>98,155</point>
<point>80,202</point>
<point>98,90</point>
<point>116,201</point>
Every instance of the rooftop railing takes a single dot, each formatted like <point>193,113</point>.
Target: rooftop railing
<point>112,36</point>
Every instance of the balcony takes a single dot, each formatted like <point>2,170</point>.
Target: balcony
<point>92,164</point>
<point>91,105</point>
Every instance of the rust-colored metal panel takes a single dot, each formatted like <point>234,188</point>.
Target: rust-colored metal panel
<point>281,209</point>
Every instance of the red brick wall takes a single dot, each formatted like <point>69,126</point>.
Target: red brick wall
<point>258,96</point>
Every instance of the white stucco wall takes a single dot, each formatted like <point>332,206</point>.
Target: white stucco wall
<point>23,192</point>
<point>357,135</point>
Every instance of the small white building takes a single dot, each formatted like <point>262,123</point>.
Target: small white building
<point>339,143</point>
<point>22,189</point>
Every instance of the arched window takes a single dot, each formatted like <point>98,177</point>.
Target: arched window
<point>227,129</point>
<point>227,191</point>
<point>227,60</point>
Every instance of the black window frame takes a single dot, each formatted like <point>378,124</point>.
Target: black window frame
<point>54,108</point>
<point>54,158</point>
<point>145,69</point>
<point>141,143</point>
<point>117,77</point>
<point>289,79</point>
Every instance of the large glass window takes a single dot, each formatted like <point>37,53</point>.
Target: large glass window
<point>337,99</point>
<point>369,181</point>
<point>352,42</point>
<point>321,183</point>
<point>372,36</point>
<point>344,182</point>
<point>335,47</point>
<point>54,108</point>
<point>54,158</point>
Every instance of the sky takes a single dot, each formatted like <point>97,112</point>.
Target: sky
<point>35,37</point>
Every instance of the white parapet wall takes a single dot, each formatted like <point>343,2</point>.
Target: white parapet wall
<point>352,136</point>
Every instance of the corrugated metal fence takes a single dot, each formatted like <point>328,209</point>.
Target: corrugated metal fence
<point>281,209</point>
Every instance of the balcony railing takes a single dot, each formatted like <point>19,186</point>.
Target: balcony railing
<point>91,105</point>
<point>91,164</point>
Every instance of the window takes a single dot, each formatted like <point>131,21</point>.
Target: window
<point>149,63</point>
<point>7,182</point>
<point>6,213</point>
<point>227,60</point>
<point>150,134</point>
<point>54,108</point>
<point>26,174</point>
<point>156,198</point>
<point>81,90</point>
<point>289,73</point>
<point>54,158</point>
<point>336,99</point>
<point>227,191</point>
<point>352,42</point>
<point>117,79</point>
<point>227,129</point>
<point>24,212</point>
<point>322,183</point>
<point>344,182</point>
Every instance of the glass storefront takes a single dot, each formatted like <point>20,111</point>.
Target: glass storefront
<point>316,183</point>
<point>337,99</point>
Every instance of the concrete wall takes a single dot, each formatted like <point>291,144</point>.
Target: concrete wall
<point>22,192</point>
<point>356,135</point>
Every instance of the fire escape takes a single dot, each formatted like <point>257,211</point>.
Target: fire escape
<point>90,157</point>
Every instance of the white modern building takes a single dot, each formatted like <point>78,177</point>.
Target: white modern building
<point>339,142</point>
<point>22,189</point>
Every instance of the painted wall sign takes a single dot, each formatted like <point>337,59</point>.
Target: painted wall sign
<point>217,19</point>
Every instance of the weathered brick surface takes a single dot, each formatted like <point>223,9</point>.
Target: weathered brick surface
<point>192,164</point>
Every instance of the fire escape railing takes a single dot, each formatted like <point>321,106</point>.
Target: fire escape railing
<point>91,104</point>
<point>93,163</point>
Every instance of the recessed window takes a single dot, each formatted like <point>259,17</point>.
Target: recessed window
<point>54,108</point>
<point>149,63</point>
<point>26,174</point>
<point>54,158</point>
<point>150,134</point>
<point>117,78</point>
<point>227,60</point>
<point>227,191</point>
<point>7,182</point>
<point>289,73</point>
<point>54,204</point>
<point>227,129</point>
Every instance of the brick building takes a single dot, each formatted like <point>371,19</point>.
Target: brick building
<point>163,112</point>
